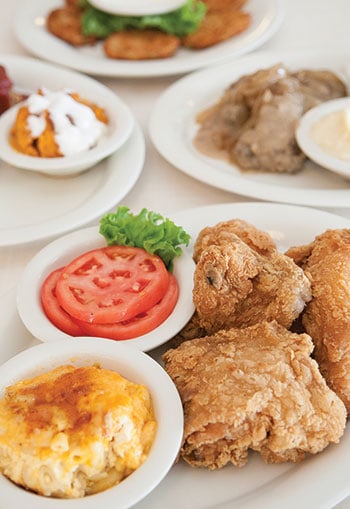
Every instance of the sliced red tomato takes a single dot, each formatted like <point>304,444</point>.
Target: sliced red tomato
<point>112,284</point>
<point>140,324</point>
<point>58,316</point>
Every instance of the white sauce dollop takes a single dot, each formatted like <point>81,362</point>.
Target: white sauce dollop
<point>332,134</point>
<point>76,126</point>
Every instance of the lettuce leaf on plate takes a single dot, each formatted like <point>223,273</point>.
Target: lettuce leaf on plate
<point>179,22</point>
<point>148,230</point>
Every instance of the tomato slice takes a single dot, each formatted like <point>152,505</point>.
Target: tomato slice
<point>140,324</point>
<point>58,316</point>
<point>112,284</point>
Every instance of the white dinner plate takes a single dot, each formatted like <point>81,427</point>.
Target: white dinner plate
<point>320,481</point>
<point>173,126</point>
<point>34,206</point>
<point>30,29</point>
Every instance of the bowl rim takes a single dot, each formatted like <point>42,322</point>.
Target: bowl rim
<point>119,129</point>
<point>312,149</point>
<point>62,250</point>
<point>130,363</point>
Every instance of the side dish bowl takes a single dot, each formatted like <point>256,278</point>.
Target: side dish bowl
<point>118,130</point>
<point>61,251</point>
<point>137,367</point>
<point>315,151</point>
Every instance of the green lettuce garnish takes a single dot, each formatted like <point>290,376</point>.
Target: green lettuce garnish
<point>179,22</point>
<point>148,230</point>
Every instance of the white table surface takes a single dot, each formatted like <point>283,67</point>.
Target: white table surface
<point>308,24</point>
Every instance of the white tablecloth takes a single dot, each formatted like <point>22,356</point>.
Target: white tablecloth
<point>308,24</point>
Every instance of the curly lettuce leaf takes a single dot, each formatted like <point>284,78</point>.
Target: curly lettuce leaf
<point>148,230</point>
<point>179,22</point>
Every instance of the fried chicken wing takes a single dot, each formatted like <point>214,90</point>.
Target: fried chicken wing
<point>327,316</point>
<point>253,388</point>
<point>234,286</point>
<point>140,44</point>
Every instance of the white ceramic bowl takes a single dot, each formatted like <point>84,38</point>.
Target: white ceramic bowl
<point>134,365</point>
<point>119,129</point>
<point>312,149</point>
<point>137,7</point>
<point>61,251</point>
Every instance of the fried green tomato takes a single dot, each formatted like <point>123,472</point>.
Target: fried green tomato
<point>65,23</point>
<point>140,45</point>
<point>217,26</point>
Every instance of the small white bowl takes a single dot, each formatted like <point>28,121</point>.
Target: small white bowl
<point>137,7</point>
<point>118,131</point>
<point>63,250</point>
<point>312,149</point>
<point>137,367</point>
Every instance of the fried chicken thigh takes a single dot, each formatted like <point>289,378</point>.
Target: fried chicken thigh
<point>253,388</point>
<point>236,286</point>
<point>327,317</point>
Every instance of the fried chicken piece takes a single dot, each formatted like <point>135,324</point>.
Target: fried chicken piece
<point>191,330</point>
<point>254,388</point>
<point>234,286</point>
<point>222,232</point>
<point>217,26</point>
<point>327,317</point>
<point>141,44</point>
<point>65,23</point>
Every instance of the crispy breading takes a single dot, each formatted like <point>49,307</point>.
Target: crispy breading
<point>256,239</point>
<point>217,26</point>
<point>327,316</point>
<point>65,23</point>
<point>254,388</point>
<point>234,286</point>
<point>191,330</point>
<point>219,5</point>
<point>140,44</point>
<point>74,3</point>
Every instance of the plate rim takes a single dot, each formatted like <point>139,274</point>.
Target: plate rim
<point>67,247</point>
<point>162,67</point>
<point>271,493</point>
<point>200,169</point>
<point>264,497</point>
<point>54,227</point>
